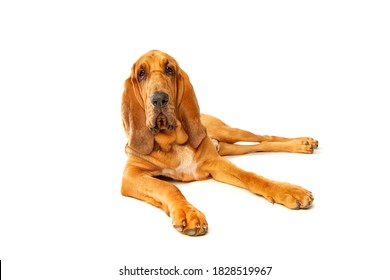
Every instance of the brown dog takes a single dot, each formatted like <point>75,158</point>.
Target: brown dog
<point>167,136</point>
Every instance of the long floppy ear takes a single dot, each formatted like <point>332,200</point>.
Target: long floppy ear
<point>188,110</point>
<point>140,139</point>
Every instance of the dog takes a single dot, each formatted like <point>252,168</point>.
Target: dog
<point>169,137</point>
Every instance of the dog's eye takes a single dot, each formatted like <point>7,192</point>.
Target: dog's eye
<point>169,70</point>
<point>141,74</point>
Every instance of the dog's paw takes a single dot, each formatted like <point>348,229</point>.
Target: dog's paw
<point>188,220</point>
<point>304,145</point>
<point>312,142</point>
<point>291,196</point>
<point>301,146</point>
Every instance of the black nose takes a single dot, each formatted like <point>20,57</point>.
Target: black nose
<point>159,99</point>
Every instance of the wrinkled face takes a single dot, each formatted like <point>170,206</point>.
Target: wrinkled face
<point>156,76</point>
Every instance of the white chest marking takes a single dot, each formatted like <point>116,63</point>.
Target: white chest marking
<point>186,164</point>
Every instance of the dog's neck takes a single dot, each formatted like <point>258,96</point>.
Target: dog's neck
<point>166,138</point>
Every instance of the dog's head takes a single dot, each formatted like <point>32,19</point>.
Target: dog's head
<point>157,94</point>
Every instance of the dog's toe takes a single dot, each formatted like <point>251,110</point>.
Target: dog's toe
<point>179,227</point>
<point>191,231</point>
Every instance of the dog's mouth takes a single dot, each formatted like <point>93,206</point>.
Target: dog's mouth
<point>162,122</point>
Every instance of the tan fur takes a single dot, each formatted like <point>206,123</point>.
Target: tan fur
<point>174,143</point>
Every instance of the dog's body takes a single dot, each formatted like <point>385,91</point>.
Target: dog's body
<point>167,136</point>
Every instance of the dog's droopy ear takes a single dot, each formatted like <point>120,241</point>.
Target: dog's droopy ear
<point>188,110</point>
<point>140,138</point>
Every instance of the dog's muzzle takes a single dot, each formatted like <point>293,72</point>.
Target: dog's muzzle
<point>162,119</point>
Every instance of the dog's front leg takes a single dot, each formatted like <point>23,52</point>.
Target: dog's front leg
<point>186,218</point>
<point>289,195</point>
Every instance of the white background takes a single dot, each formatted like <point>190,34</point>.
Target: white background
<point>289,68</point>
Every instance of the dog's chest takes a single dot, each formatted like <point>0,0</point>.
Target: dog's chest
<point>183,165</point>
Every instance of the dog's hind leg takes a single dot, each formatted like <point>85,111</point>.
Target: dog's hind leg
<point>294,146</point>
<point>226,136</point>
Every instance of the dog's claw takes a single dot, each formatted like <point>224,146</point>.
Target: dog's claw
<point>190,231</point>
<point>180,228</point>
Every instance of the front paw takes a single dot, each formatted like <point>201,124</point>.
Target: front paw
<point>291,196</point>
<point>188,220</point>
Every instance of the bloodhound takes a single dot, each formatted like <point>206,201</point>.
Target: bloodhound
<point>167,136</point>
